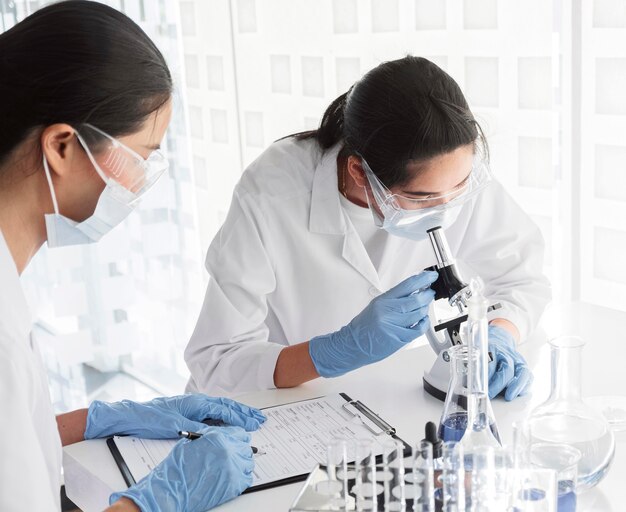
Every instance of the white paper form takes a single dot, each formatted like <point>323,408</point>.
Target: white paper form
<point>143,455</point>
<point>294,439</point>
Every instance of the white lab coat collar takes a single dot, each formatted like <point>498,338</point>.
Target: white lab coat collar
<point>327,216</point>
<point>15,319</point>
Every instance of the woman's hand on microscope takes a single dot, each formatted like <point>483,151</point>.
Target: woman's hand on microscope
<point>508,370</point>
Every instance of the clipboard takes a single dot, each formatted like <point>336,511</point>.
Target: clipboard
<point>354,408</point>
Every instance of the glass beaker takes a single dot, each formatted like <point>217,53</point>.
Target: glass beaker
<point>453,421</point>
<point>533,490</point>
<point>563,459</point>
<point>565,419</point>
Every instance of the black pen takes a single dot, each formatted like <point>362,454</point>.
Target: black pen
<point>195,435</point>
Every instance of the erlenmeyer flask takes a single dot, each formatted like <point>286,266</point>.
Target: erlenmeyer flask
<point>453,421</point>
<point>481,423</point>
<point>565,419</point>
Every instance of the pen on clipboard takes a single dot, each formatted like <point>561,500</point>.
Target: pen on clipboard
<point>196,435</point>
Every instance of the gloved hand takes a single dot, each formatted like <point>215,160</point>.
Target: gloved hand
<point>388,323</point>
<point>196,475</point>
<point>508,370</point>
<point>163,417</point>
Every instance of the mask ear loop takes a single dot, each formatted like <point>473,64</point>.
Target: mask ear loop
<point>55,205</point>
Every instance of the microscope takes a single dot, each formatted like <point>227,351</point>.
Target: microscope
<point>446,333</point>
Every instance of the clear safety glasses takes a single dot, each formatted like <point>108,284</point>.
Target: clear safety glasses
<point>118,164</point>
<point>388,202</point>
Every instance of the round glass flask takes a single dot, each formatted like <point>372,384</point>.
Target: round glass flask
<point>565,419</point>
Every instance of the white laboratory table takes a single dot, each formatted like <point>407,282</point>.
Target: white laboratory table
<point>393,389</point>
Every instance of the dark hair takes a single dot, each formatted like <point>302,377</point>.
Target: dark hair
<point>78,62</point>
<point>405,110</point>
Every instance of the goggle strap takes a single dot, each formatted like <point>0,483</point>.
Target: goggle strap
<point>91,158</point>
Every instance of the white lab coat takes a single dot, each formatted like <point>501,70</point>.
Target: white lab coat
<point>288,265</point>
<point>30,453</point>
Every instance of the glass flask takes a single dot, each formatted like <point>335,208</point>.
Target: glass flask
<point>453,422</point>
<point>565,419</point>
<point>480,419</point>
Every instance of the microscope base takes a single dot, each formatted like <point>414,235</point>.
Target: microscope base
<point>436,380</point>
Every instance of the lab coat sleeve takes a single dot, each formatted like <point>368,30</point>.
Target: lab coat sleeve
<point>505,248</point>
<point>23,469</point>
<point>229,351</point>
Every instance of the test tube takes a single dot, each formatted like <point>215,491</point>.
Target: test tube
<point>335,485</point>
<point>365,489</point>
<point>350,455</point>
<point>453,477</point>
<point>483,479</point>
<point>393,481</point>
<point>521,443</point>
<point>423,481</point>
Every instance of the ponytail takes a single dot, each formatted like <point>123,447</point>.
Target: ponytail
<point>330,131</point>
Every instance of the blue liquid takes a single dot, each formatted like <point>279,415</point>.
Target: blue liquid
<point>454,426</point>
<point>532,494</point>
<point>566,501</point>
<point>567,497</point>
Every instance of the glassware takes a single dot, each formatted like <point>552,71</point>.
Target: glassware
<point>453,478</point>
<point>453,421</point>
<point>365,489</point>
<point>533,490</point>
<point>612,407</point>
<point>335,486</point>
<point>563,459</point>
<point>480,419</point>
<point>422,478</point>
<point>482,465</point>
<point>565,419</point>
<point>392,475</point>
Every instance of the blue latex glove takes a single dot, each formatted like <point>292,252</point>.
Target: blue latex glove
<point>508,370</point>
<point>196,475</point>
<point>388,323</point>
<point>163,417</point>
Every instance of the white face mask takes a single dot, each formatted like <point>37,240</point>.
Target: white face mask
<point>127,177</point>
<point>412,218</point>
<point>418,229</point>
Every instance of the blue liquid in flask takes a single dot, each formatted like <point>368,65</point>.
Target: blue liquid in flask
<point>454,426</point>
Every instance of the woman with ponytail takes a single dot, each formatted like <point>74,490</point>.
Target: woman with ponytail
<point>317,268</point>
<point>85,99</point>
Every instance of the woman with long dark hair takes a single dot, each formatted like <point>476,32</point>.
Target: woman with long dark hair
<point>323,222</point>
<point>85,99</point>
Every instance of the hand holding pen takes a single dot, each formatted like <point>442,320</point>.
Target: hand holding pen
<point>196,435</point>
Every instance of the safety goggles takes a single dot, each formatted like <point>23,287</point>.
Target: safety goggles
<point>118,165</point>
<point>409,209</point>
